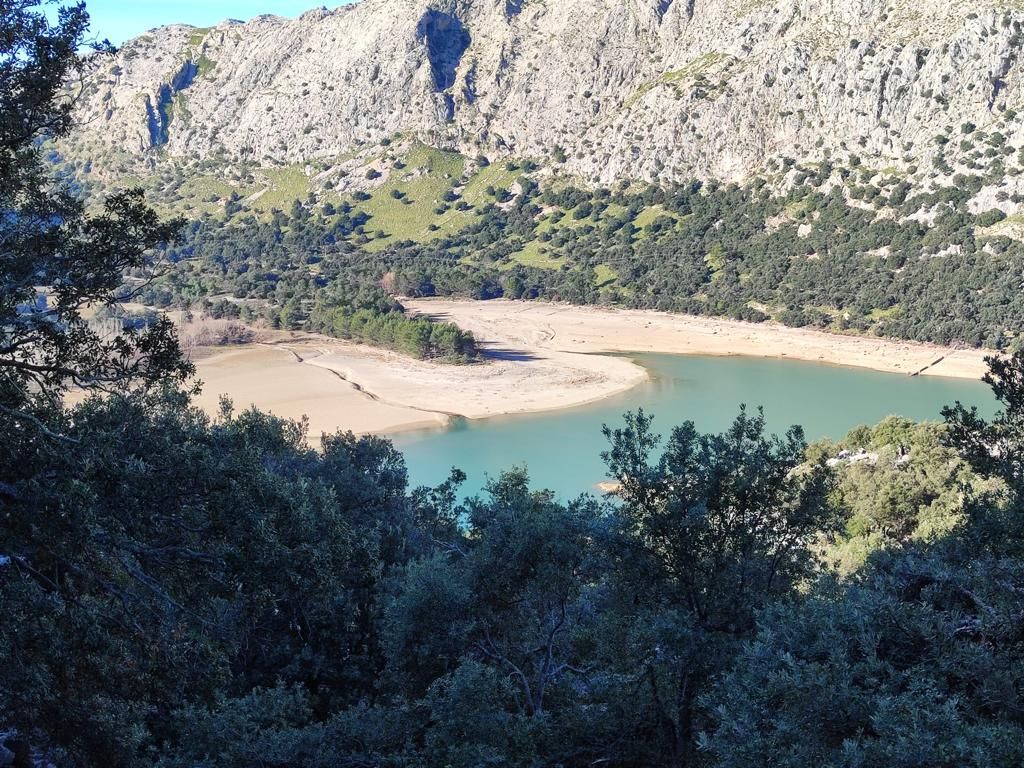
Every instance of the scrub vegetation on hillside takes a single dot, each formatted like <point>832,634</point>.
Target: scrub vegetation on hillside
<point>846,250</point>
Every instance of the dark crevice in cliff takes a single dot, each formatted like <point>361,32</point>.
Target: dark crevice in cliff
<point>159,115</point>
<point>883,82</point>
<point>185,76</point>
<point>446,38</point>
<point>152,123</point>
<point>998,78</point>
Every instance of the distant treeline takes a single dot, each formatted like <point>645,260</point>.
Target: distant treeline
<point>418,337</point>
<point>810,257</point>
<point>276,271</point>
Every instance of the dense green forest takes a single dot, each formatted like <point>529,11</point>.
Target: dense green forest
<point>847,249</point>
<point>278,271</point>
<point>181,591</point>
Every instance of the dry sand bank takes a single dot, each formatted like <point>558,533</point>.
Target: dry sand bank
<point>552,327</point>
<point>352,387</point>
<point>541,357</point>
<point>274,379</point>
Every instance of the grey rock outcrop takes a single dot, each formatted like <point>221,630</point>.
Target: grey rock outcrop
<point>618,88</point>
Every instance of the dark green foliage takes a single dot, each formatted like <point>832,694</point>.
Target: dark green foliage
<point>915,661</point>
<point>371,316</point>
<point>910,666</point>
<point>163,562</point>
<point>736,499</point>
<point>48,239</point>
<point>717,528</point>
<point>995,448</point>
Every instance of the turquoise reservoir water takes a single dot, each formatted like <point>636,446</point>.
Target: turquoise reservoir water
<point>561,449</point>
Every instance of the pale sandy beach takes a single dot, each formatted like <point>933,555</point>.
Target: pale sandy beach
<point>540,357</point>
<point>272,378</point>
<point>589,329</point>
<point>353,387</point>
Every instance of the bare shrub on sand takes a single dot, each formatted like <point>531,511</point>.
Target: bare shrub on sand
<point>208,332</point>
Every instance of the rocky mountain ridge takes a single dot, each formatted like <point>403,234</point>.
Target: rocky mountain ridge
<point>603,89</point>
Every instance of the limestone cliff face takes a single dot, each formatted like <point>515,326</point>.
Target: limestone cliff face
<point>611,88</point>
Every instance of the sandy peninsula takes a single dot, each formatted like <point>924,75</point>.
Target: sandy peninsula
<point>344,386</point>
<point>539,356</point>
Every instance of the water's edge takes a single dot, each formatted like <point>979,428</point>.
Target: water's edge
<point>561,448</point>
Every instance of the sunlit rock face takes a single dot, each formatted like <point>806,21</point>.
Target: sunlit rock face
<point>613,88</point>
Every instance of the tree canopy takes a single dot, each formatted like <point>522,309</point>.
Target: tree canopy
<point>58,260</point>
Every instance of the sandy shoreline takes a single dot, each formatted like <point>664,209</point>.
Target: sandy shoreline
<point>540,357</point>
<point>274,378</point>
<point>595,330</point>
<point>344,386</point>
